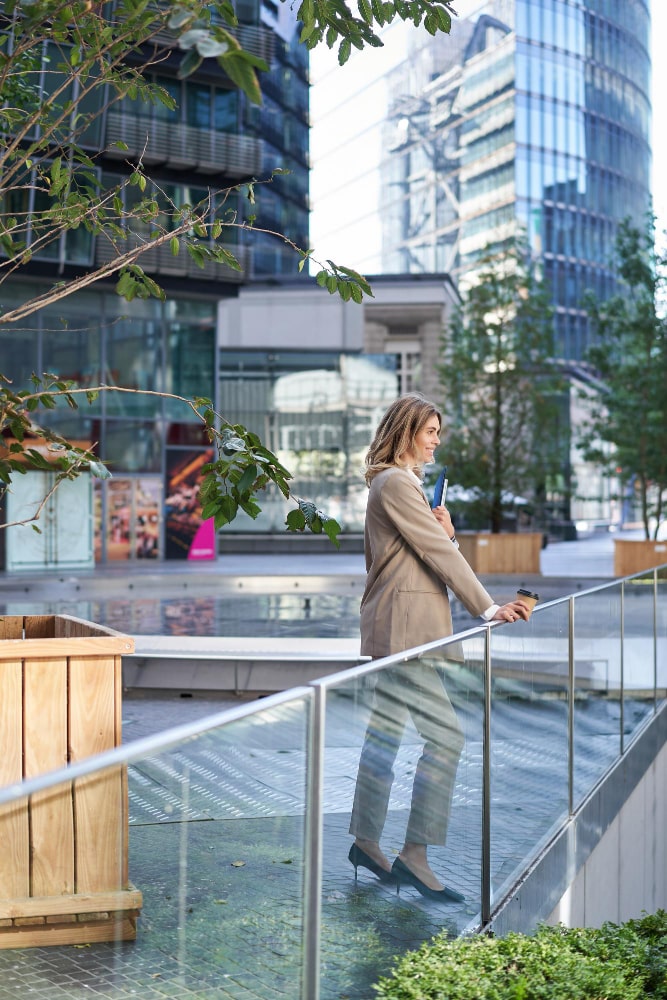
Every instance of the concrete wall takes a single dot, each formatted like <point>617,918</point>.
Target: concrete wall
<point>627,872</point>
<point>282,318</point>
<point>406,312</point>
<point>609,860</point>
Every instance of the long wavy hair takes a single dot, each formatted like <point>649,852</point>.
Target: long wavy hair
<point>397,431</point>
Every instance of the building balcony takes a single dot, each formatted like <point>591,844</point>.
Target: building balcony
<point>161,261</point>
<point>182,147</point>
<point>259,41</point>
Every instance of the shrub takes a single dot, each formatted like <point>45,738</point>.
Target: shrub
<point>613,962</point>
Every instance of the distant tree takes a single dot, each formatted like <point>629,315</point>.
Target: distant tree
<point>626,432</point>
<point>501,387</point>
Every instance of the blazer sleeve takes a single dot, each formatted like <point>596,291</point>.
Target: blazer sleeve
<point>407,508</point>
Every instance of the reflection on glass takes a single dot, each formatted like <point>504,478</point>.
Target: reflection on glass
<point>638,654</point>
<point>661,633</point>
<point>406,741</point>
<point>529,739</point>
<point>208,874</point>
<point>597,686</point>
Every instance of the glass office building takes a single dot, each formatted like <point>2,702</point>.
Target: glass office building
<point>212,139</point>
<point>532,115</point>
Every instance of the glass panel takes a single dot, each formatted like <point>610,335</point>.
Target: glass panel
<point>161,111</point>
<point>225,110</point>
<point>597,655</point>
<point>661,629</point>
<point>402,764</point>
<point>198,104</point>
<point>638,654</point>
<point>190,363</point>
<point>529,739</point>
<point>134,361</point>
<point>131,446</point>
<point>211,883</point>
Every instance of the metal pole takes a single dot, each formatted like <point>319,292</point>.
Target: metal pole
<point>622,693</point>
<point>312,879</point>
<point>570,707</point>
<point>486,786</point>
<point>655,641</point>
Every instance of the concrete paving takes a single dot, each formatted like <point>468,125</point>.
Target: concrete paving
<point>217,824</point>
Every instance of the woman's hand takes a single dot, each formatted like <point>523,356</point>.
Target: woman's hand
<point>512,612</point>
<point>444,519</point>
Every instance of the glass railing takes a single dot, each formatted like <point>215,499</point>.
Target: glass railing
<point>233,879</point>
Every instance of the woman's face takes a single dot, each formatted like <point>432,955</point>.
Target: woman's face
<point>426,441</point>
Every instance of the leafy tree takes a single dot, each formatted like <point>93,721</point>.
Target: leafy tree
<point>63,65</point>
<point>627,427</point>
<point>501,387</point>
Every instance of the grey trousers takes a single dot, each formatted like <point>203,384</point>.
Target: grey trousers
<point>416,690</point>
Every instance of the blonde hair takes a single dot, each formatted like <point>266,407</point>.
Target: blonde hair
<point>397,431</point>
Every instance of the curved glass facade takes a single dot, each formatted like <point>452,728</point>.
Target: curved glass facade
<point>582,125</point>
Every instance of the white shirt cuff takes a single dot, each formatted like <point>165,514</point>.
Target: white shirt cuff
<point>490,612</point>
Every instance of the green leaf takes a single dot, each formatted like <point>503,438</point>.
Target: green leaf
<point>365,10</point>
<point>295,521</point>
<point>228,508</point>
<point>241,72</point>
<point>189,64</point>
<point>247,479</point>
<point>344,51</point>
<point>332,529</point>
<point>99,470</point>
<point>251,507</point>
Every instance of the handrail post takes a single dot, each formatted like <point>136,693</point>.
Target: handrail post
<point>621,713</point>
<point>570,706</point>
<point>655,640</point>
<point>485,906</point>
<point>312,877</point>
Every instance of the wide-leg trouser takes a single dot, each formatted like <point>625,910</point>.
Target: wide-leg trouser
<point>416,690</point>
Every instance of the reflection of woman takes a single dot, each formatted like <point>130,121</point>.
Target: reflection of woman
<point>411,558</point>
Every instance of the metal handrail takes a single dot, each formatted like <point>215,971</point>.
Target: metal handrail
<point>314,696</point>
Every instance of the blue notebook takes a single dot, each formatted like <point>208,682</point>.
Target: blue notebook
<point>440,489</point>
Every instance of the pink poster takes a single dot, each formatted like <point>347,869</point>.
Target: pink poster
<point>186,535</point>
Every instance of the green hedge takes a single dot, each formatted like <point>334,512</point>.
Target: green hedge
<point>614,962</point>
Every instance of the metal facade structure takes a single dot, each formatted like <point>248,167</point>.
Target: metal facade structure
<point>532,115</point>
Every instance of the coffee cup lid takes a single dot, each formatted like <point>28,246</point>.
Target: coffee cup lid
<point>528,593</point>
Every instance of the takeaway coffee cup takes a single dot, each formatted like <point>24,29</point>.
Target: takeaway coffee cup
<point>528,598</point>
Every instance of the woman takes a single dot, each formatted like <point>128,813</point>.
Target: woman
<point>412,558</point>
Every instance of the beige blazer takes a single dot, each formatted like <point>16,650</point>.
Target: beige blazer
<point>410,563</point>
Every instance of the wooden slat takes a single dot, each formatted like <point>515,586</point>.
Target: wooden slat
<point>115,929</point>
<point>47,906</point>
<point>12,649</point>
<point>67,626</point>
<point>39,626</point>
<point>14,829</point>
<point>11,627</point>
<point>51,811</point>
<point>124,792</point>
<point>100,812</point>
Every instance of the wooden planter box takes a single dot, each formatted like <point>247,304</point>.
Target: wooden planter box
<point>634,556</point>
<point>503,553</point>
<point>64,856</point>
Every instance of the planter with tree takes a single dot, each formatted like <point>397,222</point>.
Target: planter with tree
<point>504,445</point>
<point>626,432</point>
